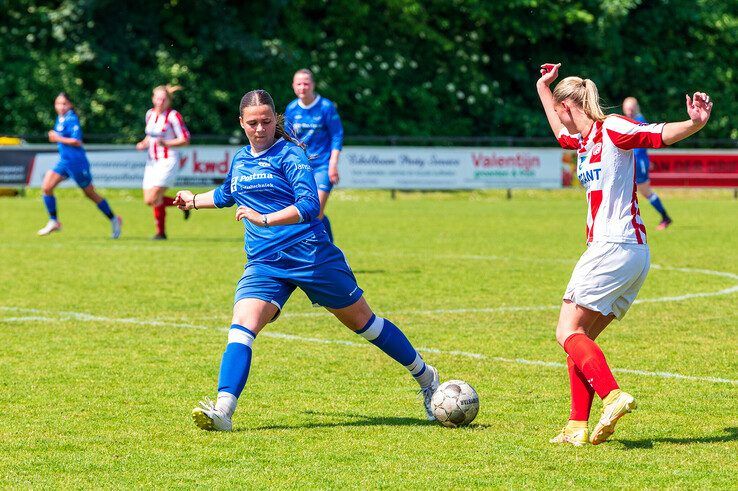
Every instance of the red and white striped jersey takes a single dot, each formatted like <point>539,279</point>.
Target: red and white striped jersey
<point>606,168</point>
<point>165,126</point>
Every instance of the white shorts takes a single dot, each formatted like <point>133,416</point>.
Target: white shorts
<point>160,173</point>
<point>608,276</point>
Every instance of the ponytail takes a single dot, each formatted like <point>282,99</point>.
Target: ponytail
<point>591,101</point>
<point>168,88</point>
<point>583,93</point>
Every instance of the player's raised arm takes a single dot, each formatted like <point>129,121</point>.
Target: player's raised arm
<point>699,108</point>
<point>549,73</point>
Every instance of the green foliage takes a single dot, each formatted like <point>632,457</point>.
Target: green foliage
<point>395,67</point>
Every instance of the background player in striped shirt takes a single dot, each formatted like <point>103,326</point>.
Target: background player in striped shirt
<point>287,247</point>
<point>67,134</point>
<point>314,121</point>
<point>612,270</point>
<point>165,132</point>
<point>643,165</point>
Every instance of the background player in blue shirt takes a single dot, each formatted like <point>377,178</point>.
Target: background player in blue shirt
<point>67,134</point>
<point>643,165</point>
<point>287,247</point>
<point>314,121</point>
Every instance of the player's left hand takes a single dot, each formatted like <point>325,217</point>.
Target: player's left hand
<point>699,108</point>
<point>53,136</point>
<point>333,174</point>
<point>249,214</point>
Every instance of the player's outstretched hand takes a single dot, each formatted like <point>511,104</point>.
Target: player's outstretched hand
<point>549,73</point>
<point>699,108</point>
<point>183,200</point>
<point>244,212</point>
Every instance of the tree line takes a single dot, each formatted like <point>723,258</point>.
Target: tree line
<point>394,67</point>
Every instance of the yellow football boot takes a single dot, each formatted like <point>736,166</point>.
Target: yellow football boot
<point>574,433</point>
<point>616,405</point>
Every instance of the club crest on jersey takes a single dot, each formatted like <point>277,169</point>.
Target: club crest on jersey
<point>597,149</point>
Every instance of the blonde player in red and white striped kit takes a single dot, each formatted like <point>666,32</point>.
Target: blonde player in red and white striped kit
<point>612,270</point>
<point>165,132</point>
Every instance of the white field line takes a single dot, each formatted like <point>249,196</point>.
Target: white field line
<point>80,316</point>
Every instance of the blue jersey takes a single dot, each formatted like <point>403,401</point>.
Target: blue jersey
<point>318,126</point>
<point>67,125</point>
<point>270,181</point>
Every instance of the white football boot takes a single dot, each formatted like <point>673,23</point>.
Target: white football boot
<point>117,224</point>
<point>208,418</point>
<point>427,393</point>
<point>51,226</point>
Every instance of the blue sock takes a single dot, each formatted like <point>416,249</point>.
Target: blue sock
<point>327,225</point>
<point>656,202</point>
<point>50,203</point>
<point>234,368</point>
<point>104,207</point>
<point>388,337</point>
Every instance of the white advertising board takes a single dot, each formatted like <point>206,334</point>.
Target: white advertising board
<point>450,168</point>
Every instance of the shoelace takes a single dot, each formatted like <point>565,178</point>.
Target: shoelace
<point>207,404</point>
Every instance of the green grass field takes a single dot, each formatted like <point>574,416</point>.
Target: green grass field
<point>107,346</point>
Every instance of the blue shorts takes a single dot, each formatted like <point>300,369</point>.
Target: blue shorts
<point>642,167</point>
<point>322,180</point>
<point>77,170</point>
<point>314,265</point>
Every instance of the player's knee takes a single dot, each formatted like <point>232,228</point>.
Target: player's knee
<point>562,333</point>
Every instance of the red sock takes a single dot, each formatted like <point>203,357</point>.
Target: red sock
<point>581,393</point>
<point>168,201</point>
<point>590,360</point>
<point>160,215</point>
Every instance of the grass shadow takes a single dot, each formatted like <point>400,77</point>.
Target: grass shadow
<point>731,435</point>
<point>351,420</point>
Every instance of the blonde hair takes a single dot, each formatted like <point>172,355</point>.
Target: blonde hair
<point>168,88</point>
<point>582,92</point>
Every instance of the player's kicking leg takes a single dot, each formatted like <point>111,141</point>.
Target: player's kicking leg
<point>390,339</point>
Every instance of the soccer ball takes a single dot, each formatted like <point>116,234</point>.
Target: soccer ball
<point>455,403</point>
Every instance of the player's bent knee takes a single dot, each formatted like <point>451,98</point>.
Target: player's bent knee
<point>563,333</point>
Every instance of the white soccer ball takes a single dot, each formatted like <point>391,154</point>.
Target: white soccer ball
<point>455,403</point>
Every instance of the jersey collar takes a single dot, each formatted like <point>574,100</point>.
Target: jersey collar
<point>309,106</point>
<point>259,154</point>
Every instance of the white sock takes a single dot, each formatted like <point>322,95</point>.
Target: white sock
<point>420,372</point>
<point>226,403</point>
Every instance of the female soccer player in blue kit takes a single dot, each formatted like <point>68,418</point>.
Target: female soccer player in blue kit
<point>287,247</point>
<point>314,122</point>
<point>67,134</point>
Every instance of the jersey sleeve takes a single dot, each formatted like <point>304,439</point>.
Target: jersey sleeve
<point>628,134</point>
<point>335,128</point>
<point>567,140</point>
<point>222,197</point>
<point>178,125</point>
<point>298,172</point>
